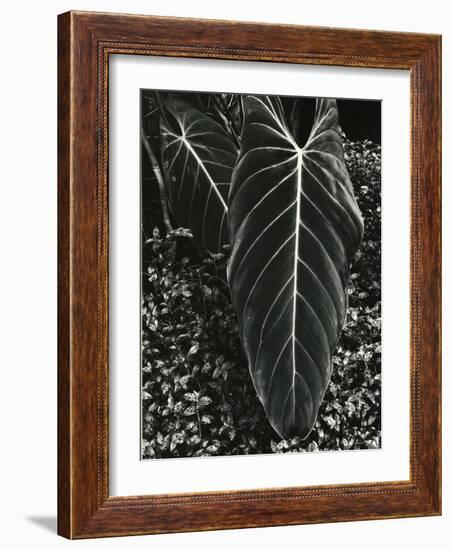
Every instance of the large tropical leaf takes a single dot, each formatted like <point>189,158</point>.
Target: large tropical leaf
<point>198,158</point>
<point>295,226</point>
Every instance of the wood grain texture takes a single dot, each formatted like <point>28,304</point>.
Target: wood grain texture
<point>85,42</point>
<point>64,391</point>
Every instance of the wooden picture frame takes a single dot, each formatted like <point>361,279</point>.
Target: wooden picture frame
<point>85,41</point>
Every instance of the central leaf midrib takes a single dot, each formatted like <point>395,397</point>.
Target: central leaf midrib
<point>296,256</point>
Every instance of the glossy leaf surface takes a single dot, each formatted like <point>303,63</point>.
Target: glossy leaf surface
<point>198,157</point>
<point>294,228</point>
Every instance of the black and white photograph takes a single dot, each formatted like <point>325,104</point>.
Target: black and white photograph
<point>261,274</point>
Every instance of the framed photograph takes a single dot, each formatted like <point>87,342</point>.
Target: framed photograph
<point>249,275</point>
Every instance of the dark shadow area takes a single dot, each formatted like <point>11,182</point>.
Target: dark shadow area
<point>48,523</point>
<point>360,119</point>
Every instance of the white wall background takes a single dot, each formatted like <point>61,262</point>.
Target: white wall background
<point>28,239</point>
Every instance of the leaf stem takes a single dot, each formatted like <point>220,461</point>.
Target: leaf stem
<point>160,181</point>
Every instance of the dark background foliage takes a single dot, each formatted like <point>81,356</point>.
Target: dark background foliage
<point>197,395</point>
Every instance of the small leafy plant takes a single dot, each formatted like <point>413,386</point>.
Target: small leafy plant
<point>198,350</point>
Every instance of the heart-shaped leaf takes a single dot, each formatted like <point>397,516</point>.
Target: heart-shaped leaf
<point>198,158</point>
<point>294,228</point>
